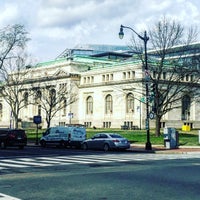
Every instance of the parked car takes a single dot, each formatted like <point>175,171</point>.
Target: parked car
<point>12,137</point>
<point>64,136</point>
<point>106,141</point>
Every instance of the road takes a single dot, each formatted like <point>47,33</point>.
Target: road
<point>36,173</point>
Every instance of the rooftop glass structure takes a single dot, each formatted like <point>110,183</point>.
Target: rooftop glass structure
<point>95,50</point>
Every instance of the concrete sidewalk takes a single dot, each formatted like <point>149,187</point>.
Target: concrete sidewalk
<point>162,149</point>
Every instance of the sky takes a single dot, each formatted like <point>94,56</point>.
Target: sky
<point>55,25</point>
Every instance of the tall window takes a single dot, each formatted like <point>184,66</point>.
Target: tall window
<point>186,103</point>
<point>89,105</point>
<point>52,96</point>
<point>64,102</point>
<point>26,99</point>
<point>38,96</point>
<point>39,110</point>
<point>53,93</point>
<point>164,75</point>
<point>129,103</point>
<point>1,111</point>
<point>108,104</point>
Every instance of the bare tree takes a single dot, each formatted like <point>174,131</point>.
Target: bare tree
<point>12,39</point>
<point>169,66</point>
<point>12,89</point>
<point>13,61</point>
<point>52,98</point>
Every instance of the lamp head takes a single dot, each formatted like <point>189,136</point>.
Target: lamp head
<point>121,33</point>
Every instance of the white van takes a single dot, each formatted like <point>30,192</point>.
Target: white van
<point>64,136</point>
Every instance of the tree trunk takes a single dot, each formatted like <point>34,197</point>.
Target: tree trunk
<point>15,122</point>
<point>157,129</point>
<point>48,121</point>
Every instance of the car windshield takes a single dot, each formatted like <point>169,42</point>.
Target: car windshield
<point>115,136</point>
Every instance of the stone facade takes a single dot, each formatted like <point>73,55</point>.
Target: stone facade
<point>110,94</point>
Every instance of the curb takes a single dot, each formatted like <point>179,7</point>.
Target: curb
<point>159,149</point>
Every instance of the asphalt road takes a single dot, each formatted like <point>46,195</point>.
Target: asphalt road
<point>37,174</point>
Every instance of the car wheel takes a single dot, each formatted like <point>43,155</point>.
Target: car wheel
<point>85,146</point>
<point>43,143</point>
<point>106,147</point>
<point>66,144</point>
<point>3,145</point>
<point>62,144</point>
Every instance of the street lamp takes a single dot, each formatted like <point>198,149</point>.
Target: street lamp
<point>145,39</point>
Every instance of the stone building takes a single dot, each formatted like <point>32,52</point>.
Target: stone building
<point>110,89</point>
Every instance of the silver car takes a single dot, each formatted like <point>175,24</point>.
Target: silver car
<point>106,141</point>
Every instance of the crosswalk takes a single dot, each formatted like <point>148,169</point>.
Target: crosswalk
<point>46,161</point>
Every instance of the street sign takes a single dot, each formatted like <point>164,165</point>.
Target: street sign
<point>143,99</point>
<point>37,119</point>
<point>151,115</point>
<point>70,115</point>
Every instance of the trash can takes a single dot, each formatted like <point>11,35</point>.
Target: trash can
<point>170,138</point>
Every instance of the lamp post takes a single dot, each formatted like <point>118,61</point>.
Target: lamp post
<point>145,39</point>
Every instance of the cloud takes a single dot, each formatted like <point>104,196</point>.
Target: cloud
<point>8,13</point>
<point>58,24</point>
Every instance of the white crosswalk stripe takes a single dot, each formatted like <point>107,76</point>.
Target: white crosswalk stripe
<point>7,164</point>
<point>46,161</point>
<point>7,197</point>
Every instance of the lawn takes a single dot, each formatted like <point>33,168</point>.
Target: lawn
<point>190,138</point>
<point>140,136</point>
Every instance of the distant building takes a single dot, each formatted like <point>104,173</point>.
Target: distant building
<point>109,87</point>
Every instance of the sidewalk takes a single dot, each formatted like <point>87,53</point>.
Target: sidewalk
<point>161,149</point>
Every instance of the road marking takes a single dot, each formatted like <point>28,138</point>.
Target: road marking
<point>64,159</point>
<point>46,161</point>
<point>19,163</point>
<point>106,159</point>
<point>2,168</point>
<point>7,197</point>
<point>9,165</point>
<point>35,162</point>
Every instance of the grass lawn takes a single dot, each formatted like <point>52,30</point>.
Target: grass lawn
<point>190,138</point>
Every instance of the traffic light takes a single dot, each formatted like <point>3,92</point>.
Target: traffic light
<point>152,91</point>
<point>154,109</point>
<point>153,96</point>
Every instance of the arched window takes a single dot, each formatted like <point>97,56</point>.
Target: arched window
<point>186,103</point>
<point>89,105</point>
<point>129,103</point>
<point>108,104</point>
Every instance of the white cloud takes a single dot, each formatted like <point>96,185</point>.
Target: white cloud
<point>58,24</point>
<point>8,13</point>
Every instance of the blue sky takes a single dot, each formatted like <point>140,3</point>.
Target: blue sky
<point>55,25</point>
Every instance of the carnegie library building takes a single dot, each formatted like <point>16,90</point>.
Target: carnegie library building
<point>107,83</point>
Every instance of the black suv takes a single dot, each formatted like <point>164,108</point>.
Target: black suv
<point>12,137</point>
